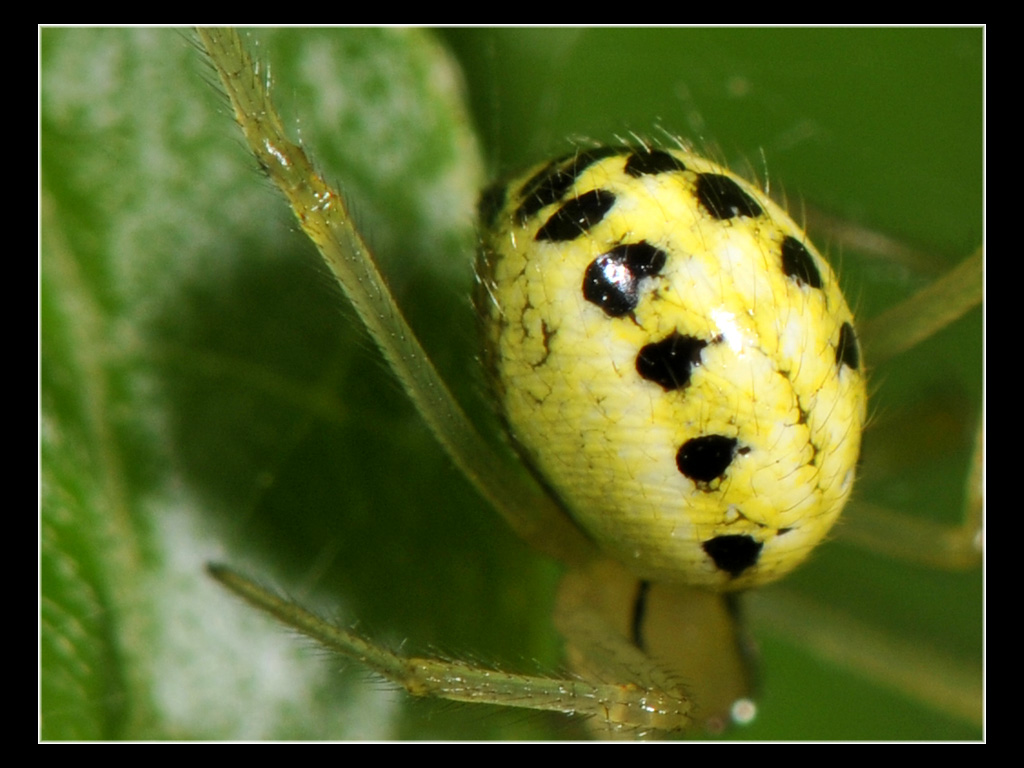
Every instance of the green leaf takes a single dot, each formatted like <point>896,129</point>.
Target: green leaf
<point>205,396</point>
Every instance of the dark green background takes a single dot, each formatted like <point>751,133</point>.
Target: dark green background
<point>205,395</point>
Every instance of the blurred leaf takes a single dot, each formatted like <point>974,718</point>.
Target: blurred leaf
<point>204,397</point>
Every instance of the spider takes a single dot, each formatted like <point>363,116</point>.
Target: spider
<point>447,575</point>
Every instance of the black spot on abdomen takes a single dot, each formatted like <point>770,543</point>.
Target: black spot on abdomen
<point>733,554</point>
<point>576,217</point>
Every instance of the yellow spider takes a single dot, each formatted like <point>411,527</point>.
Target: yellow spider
<point>352,506</point>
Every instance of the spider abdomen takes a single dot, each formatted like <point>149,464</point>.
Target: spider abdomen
<point>675,359</point>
